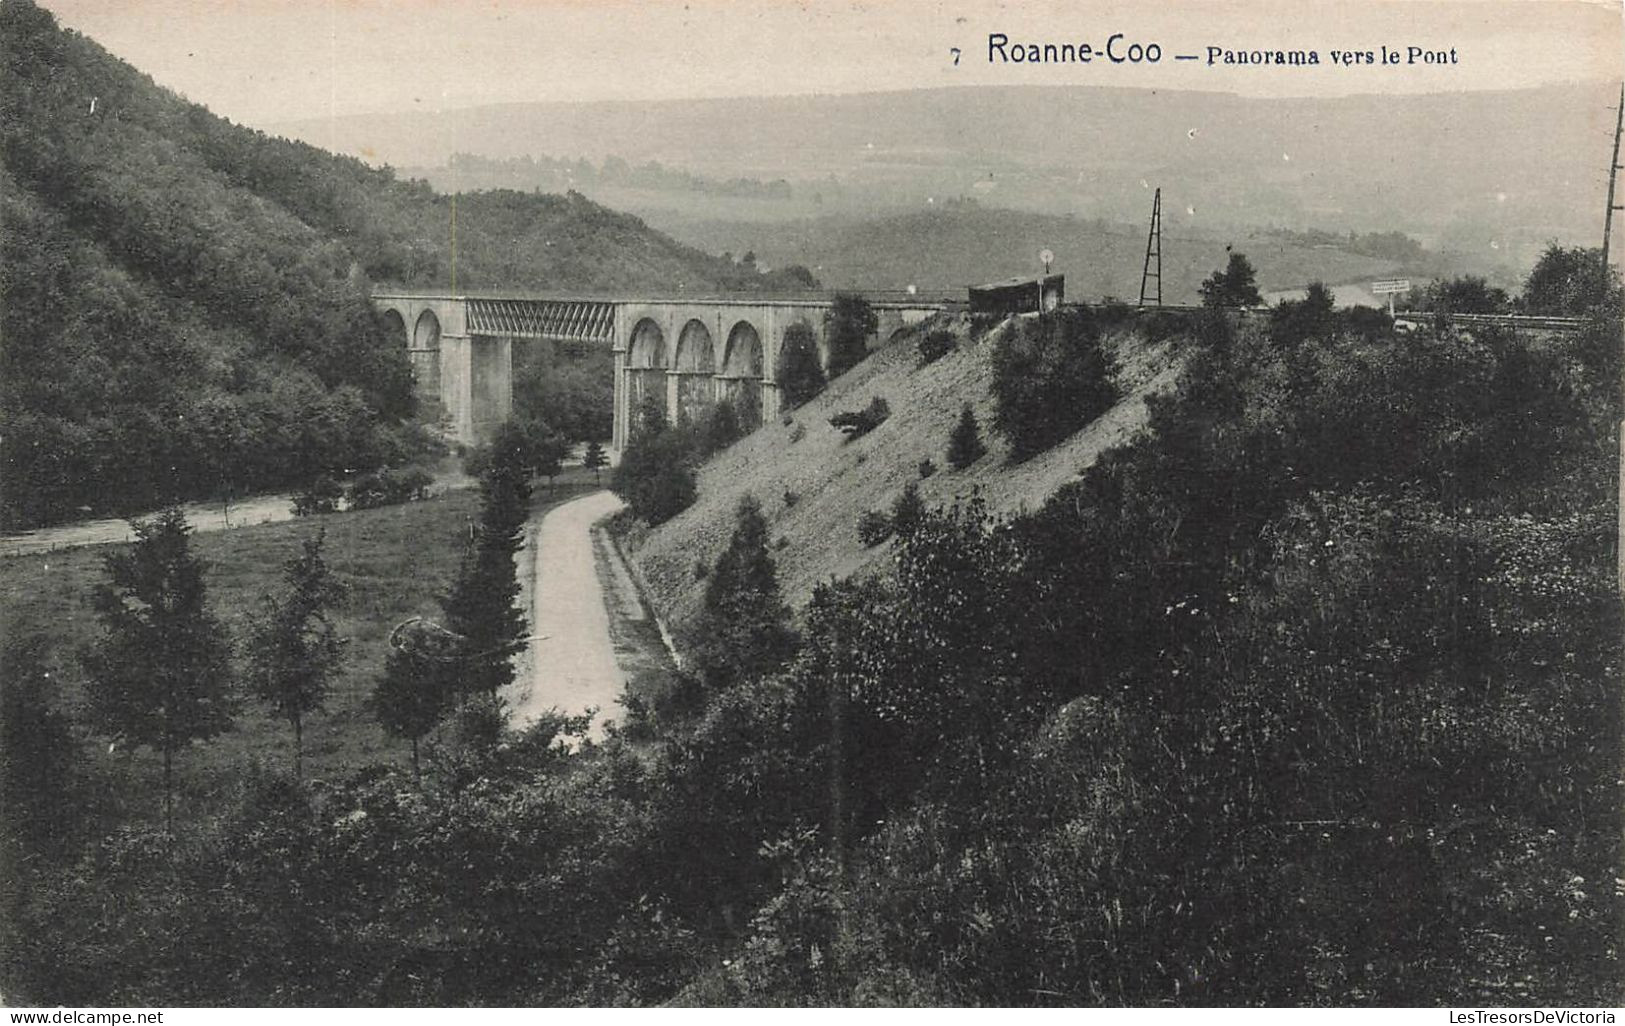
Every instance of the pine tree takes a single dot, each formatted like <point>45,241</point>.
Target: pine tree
<point>965,443</point>
<point>160,676</point>
<point>294,650</point>
<point>1236,285</point>
<point>595,460</point>
<point>505,488</point>
<point>907,511</point>
<point>743,631</point>
<point>481,604</point>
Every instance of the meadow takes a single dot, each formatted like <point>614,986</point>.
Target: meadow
<point>395,562</point>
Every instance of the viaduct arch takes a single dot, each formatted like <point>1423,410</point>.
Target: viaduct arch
<point>682,355</point>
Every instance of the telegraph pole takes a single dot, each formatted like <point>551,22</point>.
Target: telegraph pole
<point>1607,234</point>
<point>1613,173</point>
<point>1607,282</point>
<point>1153,250</point>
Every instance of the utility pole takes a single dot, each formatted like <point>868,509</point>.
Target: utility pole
<point>1607,282</point>
<point>1153,250</point>
<point>1607,233</point>
<point>1613,173</point>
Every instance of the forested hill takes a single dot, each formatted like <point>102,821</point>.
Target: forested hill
<point>184,300</point>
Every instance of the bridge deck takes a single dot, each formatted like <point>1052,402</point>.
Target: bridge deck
<point>889,298</point>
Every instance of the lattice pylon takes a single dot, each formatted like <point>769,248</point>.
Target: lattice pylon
<point>1153,251</point>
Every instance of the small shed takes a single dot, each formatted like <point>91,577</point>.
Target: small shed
<point>1018,295</point>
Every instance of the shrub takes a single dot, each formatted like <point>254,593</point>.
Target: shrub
<point>654,475</point>
<point>907,511</point>
<point>874,527</point>
<point>858,423</point>
<point>1050,378</point>
<point>1292,321</point>
<point>965,443</point>
<point>935,345</point>
<point>790,498</point>
<point>927,468</point>
<point>388,488</point>
<point>720,429</point>
<point>365,492</point>
<point>322,496</point>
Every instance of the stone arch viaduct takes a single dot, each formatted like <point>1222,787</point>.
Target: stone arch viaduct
<point>686,353</point>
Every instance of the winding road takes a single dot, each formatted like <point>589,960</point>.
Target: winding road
<point>570,664</point>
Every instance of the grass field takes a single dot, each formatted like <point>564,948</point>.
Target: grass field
<point>395,562</point>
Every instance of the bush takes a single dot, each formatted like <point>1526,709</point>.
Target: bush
<point>790,498</point>
<point>1292,321</point>
<point>388,488</point>
<point>935,345</point>
<point>322,496</point>
<point>965,443</point>
<point>365,492</point>
<point>907,511</point>
<point>874,527</point>
<point>858,423</point>
<point>1051,377</point>
<point>655,475</point>
<point>927,468</point>
<point>720,429</point>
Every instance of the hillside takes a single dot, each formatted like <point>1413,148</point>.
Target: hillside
<point>836,480</point>
<point>185,301</point>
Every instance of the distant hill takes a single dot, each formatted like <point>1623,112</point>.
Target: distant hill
<point>183,302</point>
<point>964,244</point>
<point>1458,170</point>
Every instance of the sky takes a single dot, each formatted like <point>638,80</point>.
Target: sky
<point>265,62</point>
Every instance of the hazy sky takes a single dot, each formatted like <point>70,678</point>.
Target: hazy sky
<point>266,61</point>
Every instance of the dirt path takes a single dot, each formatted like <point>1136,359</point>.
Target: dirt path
<point>571,662</point>
<point>202,516</point>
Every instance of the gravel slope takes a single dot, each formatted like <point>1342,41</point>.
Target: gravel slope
<point>834,480</point>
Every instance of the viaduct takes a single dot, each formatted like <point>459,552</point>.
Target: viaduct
<point>687,353</point>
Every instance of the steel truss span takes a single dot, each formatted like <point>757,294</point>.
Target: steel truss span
<point>564,320</point>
